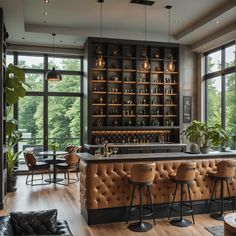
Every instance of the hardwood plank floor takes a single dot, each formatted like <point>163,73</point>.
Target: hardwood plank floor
<point>66,200</point>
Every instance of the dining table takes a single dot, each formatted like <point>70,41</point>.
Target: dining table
<point>54,154</point>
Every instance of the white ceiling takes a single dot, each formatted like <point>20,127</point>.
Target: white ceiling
<point>193,22</point>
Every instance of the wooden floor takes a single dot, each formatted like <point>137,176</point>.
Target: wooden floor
<point>66,200</point>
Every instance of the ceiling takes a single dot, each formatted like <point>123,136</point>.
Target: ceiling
<point>203,24</point>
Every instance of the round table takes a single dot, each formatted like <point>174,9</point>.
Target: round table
<point>54,155</point>
<point>230,224</point>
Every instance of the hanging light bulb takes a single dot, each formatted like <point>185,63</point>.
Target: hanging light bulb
<point>170,65</point>
<point>145,64</point>
<point>53,75</point>
<point>100,63</point>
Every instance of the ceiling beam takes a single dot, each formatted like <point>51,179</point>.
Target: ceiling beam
<point>206,19</point>
<point>221,36</point>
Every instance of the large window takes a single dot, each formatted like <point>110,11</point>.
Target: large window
<point>50,111</point>
<point>220,87</point>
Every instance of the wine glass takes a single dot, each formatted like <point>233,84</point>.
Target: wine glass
<point>115,150</point>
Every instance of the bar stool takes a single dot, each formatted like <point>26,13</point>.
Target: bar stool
<point>224,173</point>
<point>185,175</point>
<point>142,175</point>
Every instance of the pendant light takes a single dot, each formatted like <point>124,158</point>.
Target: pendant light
<point>145,64</point>
<point>100,63</point>
<point>53,75</point>
<point>170,66</point>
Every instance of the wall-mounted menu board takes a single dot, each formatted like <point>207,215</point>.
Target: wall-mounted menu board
<point>187,105</point>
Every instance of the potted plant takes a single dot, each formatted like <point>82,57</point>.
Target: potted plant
<point>14,90</point>
<point>212,136</point>
<point>193,134</point>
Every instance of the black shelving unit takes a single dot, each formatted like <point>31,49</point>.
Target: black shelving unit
<point>123,97</point>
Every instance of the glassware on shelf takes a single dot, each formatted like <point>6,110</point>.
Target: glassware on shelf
<point>115,150</point>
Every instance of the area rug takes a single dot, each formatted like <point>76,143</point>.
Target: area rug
<point>216,230</point>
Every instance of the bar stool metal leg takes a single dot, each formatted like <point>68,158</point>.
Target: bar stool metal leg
<point>231,200</point>
<point>220,216</point>
<point>181,222</point>
<point>212,194</point>
<point>176,186</point>
<point>150,199</point>
<point>130,205</point>
<point>140,226</point>
<point>191,205</point>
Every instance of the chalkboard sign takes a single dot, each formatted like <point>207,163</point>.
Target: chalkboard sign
<point>187,105</point>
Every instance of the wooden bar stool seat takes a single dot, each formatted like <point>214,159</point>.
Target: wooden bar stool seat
<point>142,175</point>
<point>185,175</point>
<point>223,173</point>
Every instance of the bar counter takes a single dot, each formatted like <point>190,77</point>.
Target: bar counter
<point>128,148</point>
<point>105,190</point>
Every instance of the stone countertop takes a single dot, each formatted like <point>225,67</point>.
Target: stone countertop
<point>152,144</point>
<point>156,156</point>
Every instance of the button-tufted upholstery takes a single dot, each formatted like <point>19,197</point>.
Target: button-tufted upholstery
<point>105,185</point>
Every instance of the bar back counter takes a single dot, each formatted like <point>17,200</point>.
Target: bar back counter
<point>105,190</point>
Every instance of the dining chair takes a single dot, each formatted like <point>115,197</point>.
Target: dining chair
<point>35,167</point>
<point>71,165</point>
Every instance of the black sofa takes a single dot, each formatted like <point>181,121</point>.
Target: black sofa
<point>33,223</point>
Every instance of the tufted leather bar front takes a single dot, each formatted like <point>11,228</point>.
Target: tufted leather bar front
<point>105,184</point>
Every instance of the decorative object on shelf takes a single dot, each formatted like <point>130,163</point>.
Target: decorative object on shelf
<point>53,75</point>
<point>100,63</point>
<point>145,66</point>
<point>170,66</point>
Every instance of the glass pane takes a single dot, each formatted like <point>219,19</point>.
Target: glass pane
<point>214,101</point>
<point>9,59</point>
<point>230,56</point>
<point>69,83</point>
<point>70,64</point>
<point>64,121</point>
<point>214,62</point>
<point>230,103</point>
<point>30,122</point>
<point>35,81</point>
<point>32,62</point>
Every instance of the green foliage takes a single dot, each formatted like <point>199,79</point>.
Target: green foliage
<point>14,89</point>
<point>14,83</point>
<point>192,133</point>
<point>206,135</point>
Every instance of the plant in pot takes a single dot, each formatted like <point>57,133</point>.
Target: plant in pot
<point>193,134</point>
<point>212,136</point>
<point>14,90</point>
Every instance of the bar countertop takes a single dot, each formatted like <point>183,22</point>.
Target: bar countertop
<point>156,156</point>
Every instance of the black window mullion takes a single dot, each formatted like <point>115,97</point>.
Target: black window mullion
<point>45,106</point>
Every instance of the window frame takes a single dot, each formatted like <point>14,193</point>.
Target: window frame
<point>45,93</point>
<point>222,74</point>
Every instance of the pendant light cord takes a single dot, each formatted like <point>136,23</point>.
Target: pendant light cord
<point>145,22</point>
<point>169,25</point>
<point>53,36</point>
<point>101,22</point>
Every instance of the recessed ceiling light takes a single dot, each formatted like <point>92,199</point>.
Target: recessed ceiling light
<point>61,41</point>
<point>46,1</point>
<point>45,13</point>
<point>45,22</point>
<point>23,38</point>
<point>217,22</point>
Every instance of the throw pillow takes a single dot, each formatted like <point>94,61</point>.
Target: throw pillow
<point>34,222</point>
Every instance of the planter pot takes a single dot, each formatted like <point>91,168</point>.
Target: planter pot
<point>205,149</point>
<point>11,183</point>
<point>194,148</point>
